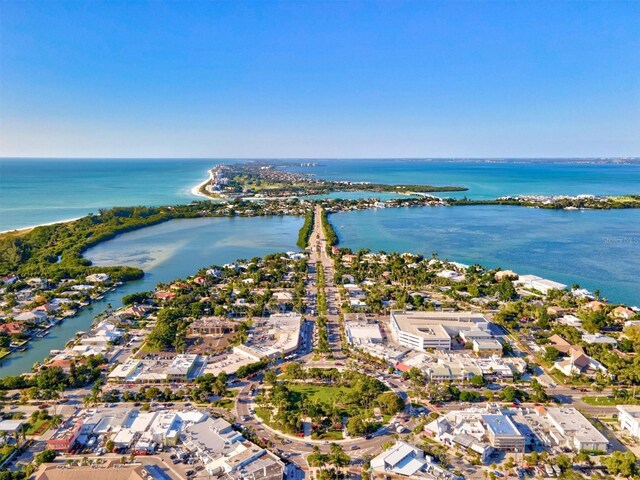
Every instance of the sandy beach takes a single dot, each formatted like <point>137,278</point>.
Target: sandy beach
<point>195,191</point>
<point>24,230</point>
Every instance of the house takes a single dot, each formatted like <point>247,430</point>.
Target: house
<point>623,313</point>
<point>166,296</point>
<point>538,283</point>
<point>12,328</point>
<point>594,305</point>
<point>578,363</point>
<point>97,278</point>
<point>629,418</point>
<point>505,274</point>
<point>33,316</point>
<point>48,308</point>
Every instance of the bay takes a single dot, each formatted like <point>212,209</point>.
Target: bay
<point>170,250</point>
<point>598,249</point>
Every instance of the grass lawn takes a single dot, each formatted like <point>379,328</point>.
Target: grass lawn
<point>264,414</point>
<point>331,435</point>
<point>323,393</point>
<point>5,451</point>
<point>223,403</point>
<point>600,401</point>
<point>37,427</point>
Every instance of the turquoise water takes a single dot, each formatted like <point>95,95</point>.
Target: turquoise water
<point>595,248</point>
<point>174,249</point>
<point>34,191</point>
<point>486,179</point>
<point>37,191</point>
<point>358,195</point>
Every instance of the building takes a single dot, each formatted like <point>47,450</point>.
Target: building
<point>362,333</point>
<point>487,347</point>
<point>112,470</point>
<point>405,460</point>
<point>629,418</point>
<point>577,431</point>
<point>226,452</point>
<point>503,433</point>
<point>63,440</point>
<point>97,278</point>
<point>213,326</point>
<point>598,338</point>
<point>181,368</point>
<point>623,313</point>
<point>469,336</point>
<point>538,283</point>
<point>433,330</point>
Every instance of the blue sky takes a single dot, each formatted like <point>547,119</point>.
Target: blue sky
<point>320,79</point>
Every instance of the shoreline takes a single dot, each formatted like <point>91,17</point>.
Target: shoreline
<point>25,230</point>
<point>195,191</point>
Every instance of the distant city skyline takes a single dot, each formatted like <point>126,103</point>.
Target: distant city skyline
<point>320,80</point>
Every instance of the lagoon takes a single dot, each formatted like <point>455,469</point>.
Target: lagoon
<point>170,250</point>
<point>598,249</point>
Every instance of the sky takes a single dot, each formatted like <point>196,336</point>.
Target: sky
<point>320,79</point>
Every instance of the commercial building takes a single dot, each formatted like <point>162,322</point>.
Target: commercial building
<point>226,452</point>
<point>480,430</point>
<point>503,433</point>
<point>362,333</point>
<point>433,330</point>
<point>577,431</point>
<point>487,347</point>
<point>629,418</point>
<point>406,461</point>
<point>213,326</point>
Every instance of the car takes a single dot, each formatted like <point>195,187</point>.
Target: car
<point>368,437</point>
<point>354,447</point>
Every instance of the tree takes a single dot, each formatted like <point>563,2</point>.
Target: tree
<point>563,462</point>
<point>46,456</point>
<point>110,445</point>
<point>623,464</point>
<point>270,377</point>
<point>338,457</point>
<point>390,403</point>
<point>317,458</point>
<point>552,354</point>
<point>356,426</point>
<point>478,381</point>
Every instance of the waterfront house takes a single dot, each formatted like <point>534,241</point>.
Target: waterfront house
<point>623,312</point>
<point>97,278</point>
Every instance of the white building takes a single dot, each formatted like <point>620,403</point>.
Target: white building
<point>538,283</point>
<point>433,330</point>
<point>97,278</point>
<point>578,432</point>
<point>225,451</point>
<point>359,333</point>
<point>629,418</point>
<point>405,460</point>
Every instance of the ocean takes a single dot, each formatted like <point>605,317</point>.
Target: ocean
<point>37,191</point>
